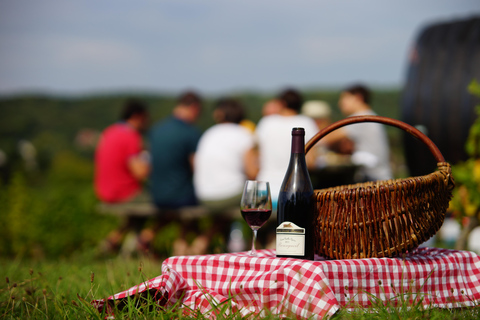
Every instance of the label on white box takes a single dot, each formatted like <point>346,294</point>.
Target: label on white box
<point>290,239</point>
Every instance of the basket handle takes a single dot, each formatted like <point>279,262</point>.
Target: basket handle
<point>384,120</point>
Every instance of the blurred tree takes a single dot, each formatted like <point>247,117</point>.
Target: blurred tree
<point>466,196</point>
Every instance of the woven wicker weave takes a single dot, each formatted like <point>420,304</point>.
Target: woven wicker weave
<point>383,218</point>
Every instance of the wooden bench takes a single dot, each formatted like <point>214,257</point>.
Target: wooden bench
<point>147,210</point>
<point>136,215</point>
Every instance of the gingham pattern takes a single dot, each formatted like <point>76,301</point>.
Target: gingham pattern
<point>442,278</point>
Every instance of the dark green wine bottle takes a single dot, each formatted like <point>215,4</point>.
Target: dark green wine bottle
<point>295,205</point>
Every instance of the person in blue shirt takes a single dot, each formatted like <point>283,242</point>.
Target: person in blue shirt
<point>173,142</point>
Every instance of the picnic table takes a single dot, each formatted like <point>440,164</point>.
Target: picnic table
<point>435,277</point>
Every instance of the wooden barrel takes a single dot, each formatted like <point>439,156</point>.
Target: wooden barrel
<point>443,61</point>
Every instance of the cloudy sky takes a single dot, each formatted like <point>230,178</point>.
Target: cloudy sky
<point>75,47</point>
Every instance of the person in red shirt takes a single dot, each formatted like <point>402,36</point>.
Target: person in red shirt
<point>121,166</point>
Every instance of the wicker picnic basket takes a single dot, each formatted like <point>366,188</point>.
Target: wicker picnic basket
<point>382,218</point>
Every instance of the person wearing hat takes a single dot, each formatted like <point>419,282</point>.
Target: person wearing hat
<point>336,154</point>
<point>319,111</point>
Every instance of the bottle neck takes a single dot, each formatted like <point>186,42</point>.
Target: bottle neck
<point>298,144</point>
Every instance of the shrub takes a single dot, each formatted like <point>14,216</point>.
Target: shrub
<point>54,217</point>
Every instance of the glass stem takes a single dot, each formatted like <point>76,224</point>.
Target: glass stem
<point>253,252</point>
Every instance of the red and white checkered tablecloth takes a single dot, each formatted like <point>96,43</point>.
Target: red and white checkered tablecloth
<point>442,278</point>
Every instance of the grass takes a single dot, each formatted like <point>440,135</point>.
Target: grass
<point>59,289</point>
<point>64,289</point>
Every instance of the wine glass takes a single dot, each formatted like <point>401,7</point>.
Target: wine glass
<point>256,206</point>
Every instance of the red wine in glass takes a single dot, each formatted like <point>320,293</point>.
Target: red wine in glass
<point>256,218</point>
<point>256,206</point>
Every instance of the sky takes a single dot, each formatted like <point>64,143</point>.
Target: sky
<point>214,46</point>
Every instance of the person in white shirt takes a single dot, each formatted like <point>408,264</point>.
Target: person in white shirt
<point>371,149</point>
<point>274,139</point>
<point>223,160</point>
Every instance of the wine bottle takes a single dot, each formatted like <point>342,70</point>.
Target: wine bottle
<point>295,205</point>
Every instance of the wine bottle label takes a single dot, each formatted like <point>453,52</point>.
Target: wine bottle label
<point>290,239</point>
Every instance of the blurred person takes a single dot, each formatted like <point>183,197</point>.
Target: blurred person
<point>120,162</point>
<point>28,152</point>
<point>272,106</point>
<point>370,143</point>
<point>121,166</point>
<point>248,124</point>
<point>173,143</point>
<point>274,139</point>
<point>225,158</point>
<point>319,111</point>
